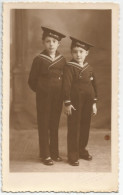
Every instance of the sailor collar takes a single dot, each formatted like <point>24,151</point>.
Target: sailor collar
<point>47,57</point>
<point>75,64</point>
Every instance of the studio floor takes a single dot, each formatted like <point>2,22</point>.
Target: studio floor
<point>24,153</point>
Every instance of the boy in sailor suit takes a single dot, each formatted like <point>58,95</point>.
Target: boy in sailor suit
<point>45,80</point>
<point>80,96</point>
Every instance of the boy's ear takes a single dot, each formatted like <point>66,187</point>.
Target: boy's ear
<point>87,52</point>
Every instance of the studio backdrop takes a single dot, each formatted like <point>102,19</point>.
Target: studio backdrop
<point>93,26</point>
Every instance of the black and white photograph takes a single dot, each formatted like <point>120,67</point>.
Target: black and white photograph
<point>60,91</point>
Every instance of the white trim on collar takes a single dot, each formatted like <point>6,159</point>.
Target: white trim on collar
<point>49,58</point>
<point>57,60</point>
<point>84,68</point>
<point>75,65</point>
<point>78,66</point>
<point>45,58</point>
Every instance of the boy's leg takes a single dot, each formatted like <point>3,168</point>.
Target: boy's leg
<point>85,126</point>
<point>72,137</point>
<point>73,123</point>
<point>43,113</point>
<point>54,123</point>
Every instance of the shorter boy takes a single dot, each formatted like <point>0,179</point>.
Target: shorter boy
<point>80,96</point>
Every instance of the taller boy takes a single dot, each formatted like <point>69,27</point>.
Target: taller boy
<point>46,80</point>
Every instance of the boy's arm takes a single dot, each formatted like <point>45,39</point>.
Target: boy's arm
<point>93,81</point>
<point>67,81</point>
<point>32,81</point>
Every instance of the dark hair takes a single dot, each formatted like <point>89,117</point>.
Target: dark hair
<point>44,36</point>
<point>73,45</point>
<point>48,35</point>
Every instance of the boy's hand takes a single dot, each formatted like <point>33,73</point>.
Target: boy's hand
<point>94,107</point>
<point>68,109</point>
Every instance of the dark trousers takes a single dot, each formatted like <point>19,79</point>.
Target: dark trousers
<point>49,106</point>
<point>78,126</point>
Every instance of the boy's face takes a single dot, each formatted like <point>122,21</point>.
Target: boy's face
<point>79,54</point>
<point>51,44</point>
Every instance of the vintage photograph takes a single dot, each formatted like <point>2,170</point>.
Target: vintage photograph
<point>60,90</point>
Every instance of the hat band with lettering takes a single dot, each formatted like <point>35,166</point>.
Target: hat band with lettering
<point>49,34</point>
<point>80,45</point>
<point>77,44</point>
<point>54,36</point>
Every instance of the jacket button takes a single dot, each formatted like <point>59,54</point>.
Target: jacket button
<point>59,78</point>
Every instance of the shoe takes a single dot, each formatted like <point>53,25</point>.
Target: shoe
<point>57,159</point>
<point>48,161</point>
<point>86,157</point>
<point>74,163</point>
